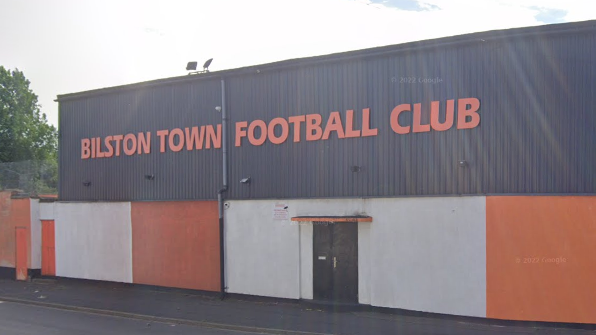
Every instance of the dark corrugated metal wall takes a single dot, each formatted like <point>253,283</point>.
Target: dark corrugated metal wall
<point>537,130</point>
<point>178,175</point>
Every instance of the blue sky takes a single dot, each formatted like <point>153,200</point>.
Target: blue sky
<point>66,46</point>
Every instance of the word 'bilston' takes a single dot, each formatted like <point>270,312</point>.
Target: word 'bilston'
<point>195,138</point>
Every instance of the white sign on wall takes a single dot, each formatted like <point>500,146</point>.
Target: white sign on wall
<point>280,212</point>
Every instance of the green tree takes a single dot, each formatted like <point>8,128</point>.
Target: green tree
<point>24,131</point>
<point>25,134</point>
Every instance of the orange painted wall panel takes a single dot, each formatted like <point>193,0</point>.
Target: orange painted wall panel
<point>21,252</point>
<point>176,244</point>
<point>541,258</point>
<point>48,248</point>
<point>13,213</point>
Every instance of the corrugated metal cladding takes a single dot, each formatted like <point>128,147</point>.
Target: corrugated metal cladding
<point>184,174</point>
<point>537,131</point>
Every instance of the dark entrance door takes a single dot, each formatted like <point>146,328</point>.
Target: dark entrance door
<point>335,261</point>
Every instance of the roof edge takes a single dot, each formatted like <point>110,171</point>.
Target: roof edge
<point>491,35</point>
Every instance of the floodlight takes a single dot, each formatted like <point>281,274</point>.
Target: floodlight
<point>191,66</point>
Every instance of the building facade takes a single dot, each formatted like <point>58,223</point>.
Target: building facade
<point>451,176</point>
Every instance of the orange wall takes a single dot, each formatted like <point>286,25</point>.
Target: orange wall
<point>13,213</point>
<point>524,237</point>
<point>176,244</point>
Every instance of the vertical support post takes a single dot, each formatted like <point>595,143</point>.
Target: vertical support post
<point>224,137</point>
<point>220,194</point>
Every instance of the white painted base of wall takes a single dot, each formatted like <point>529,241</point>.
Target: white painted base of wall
<point>429,254</point>
<point>35,234</point>
<point>423,254</point>
<point>306,255</point>
<point>46,210</point>
<point>94,241</point>
<point>262,255</point>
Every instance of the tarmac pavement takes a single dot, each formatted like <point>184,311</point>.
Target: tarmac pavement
<point>26,319</point>
<point>269,316</point>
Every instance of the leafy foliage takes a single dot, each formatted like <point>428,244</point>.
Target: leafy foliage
<point>25,134</point>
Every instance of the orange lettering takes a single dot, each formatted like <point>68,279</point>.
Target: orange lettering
<point>334,124</point>
<point>194,138</point>
<point>176,132</point>
<point>434,115</point>
<point>98,146</point>
<point>296,120</point>
<point>162,140</point>
<point>472,112</point>
<point>251,132</point>
<point>313,127</point>
<point>117,138</point>
<point>350,132</point>
<point>394,120</point>
<point>418,126</point>
<point>93,147</point>
<point>366,131</point>
<point>144,143</point>
<point>85,150</point>
<point>110,151</point>
<point>284,130</point>
<point>240,132</point>
<point>129,149</point>
<point>214,138</point>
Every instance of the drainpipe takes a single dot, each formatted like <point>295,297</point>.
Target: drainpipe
<point>220,194</point>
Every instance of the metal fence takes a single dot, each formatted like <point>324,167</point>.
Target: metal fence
<point>33,177</point>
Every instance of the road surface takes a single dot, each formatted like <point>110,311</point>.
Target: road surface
<point>19,319</point>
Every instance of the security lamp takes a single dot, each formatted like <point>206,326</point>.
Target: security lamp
<point>218,108</point>
<point>463,163</point>
<point>355,168</point>
<point>149,177</point>
<point>86,183</point>
<point>245,180</point>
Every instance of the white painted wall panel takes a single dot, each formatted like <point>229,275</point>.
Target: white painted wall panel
<point>262,254</point>
<point>425,254</point>
<point>46,211</point>
<point>35,235</point>
<point>94,241</point>
<point>252,233</point>
<point>306,255</point>
<point>364,262</point>
<point>429,254</point>
<point>328,207</point>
